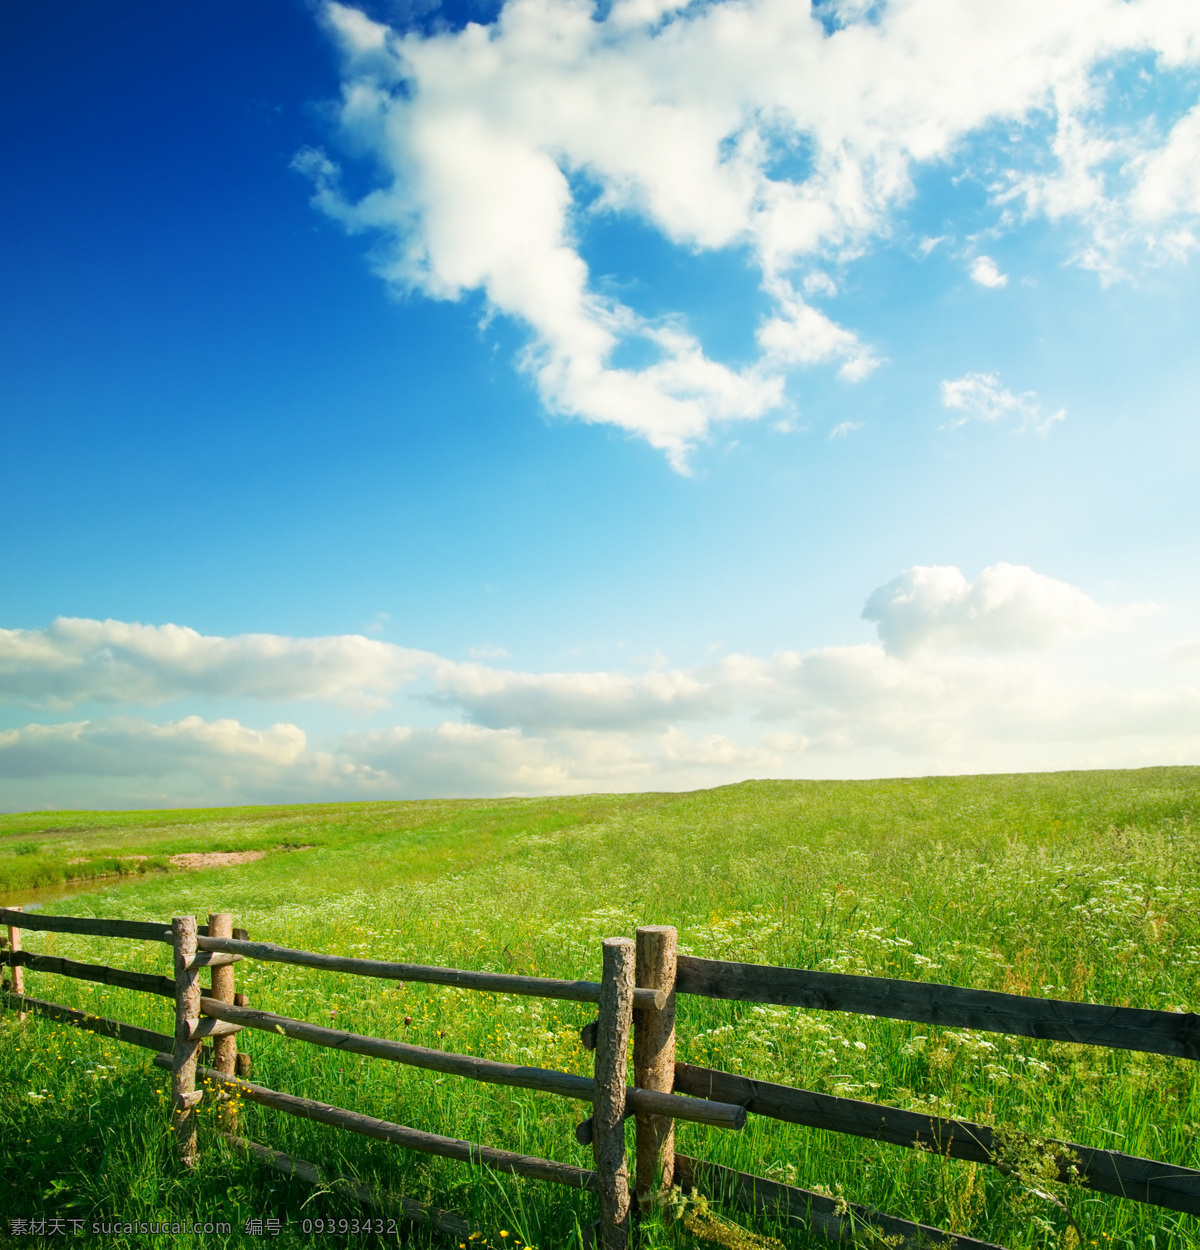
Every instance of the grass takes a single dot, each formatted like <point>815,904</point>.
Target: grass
<point>1075,885</point>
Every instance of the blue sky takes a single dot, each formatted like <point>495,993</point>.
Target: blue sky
<point>411,400</point>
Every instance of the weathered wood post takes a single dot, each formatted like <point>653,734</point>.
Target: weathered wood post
<point>184,1094</point>
<point>242,1000</point>
<point>608,1103</point>
<point>17,978</point>
<point>654,1056</point>
<point>220,924</point>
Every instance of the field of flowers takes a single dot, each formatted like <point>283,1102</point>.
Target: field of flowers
<point>1079,885</point>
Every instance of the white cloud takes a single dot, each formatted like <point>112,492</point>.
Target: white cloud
<point>1181,654</point>
<point>834,712</point>
<point>980,397</point>
<point>996,673</point>
<point>947,712</point>
<point>844,428</point>
<point>126,746</point>
<point>1169,177</point>
<point>127,761</point>
<point>489,141</point>
<point>1008,607</point>
<point>77,660</point>
<point>986,272</point>
<point>546,701</point>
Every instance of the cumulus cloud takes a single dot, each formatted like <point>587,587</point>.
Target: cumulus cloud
<point>605,700</point>
<point>953,710</point>
<point>129,761</point>
<point>495,147</point>
<point>1169,177</point>
<point>127,746</point>
<point>1008,607</point>
<point>986,272</point>
<point>832,712</point>
<point>76,660</point>
<point>966,675</point>
<point>980,397</point>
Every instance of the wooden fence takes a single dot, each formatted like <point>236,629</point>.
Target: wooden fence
<point>635,997</point>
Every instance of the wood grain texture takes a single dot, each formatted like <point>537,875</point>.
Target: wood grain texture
<point>566,1084</point>
<point>17,981</point>
<point>219,1030</point>
<point>654,1055</point>
<point>99,1025</point>
<point>1108,1171</point>
<point>143,982</point>
<point>139,930</point>
<point>380,1200</point>
<point>490,982</point>
<point>399,1134</point>
<point>1050,1019</point>
<point>209,959</point>
<point>183,1056</point>
<point>615,1018</point>
<point>804,1208</point>
<point>220,924</point>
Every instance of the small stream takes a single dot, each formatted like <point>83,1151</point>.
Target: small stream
<point>32,899</point>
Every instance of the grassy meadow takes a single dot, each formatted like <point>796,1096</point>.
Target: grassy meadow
<point>1071,885</point>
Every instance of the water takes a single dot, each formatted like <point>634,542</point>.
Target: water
<point>64,889</point>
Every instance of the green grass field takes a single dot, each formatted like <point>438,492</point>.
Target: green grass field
<point>1074,885</point>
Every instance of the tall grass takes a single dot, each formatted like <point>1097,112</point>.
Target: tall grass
<point>1071,885</point>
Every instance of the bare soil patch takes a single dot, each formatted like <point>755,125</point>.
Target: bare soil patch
<point>214,859</point>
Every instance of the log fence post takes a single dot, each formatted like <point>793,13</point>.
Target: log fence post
<point>220,924</point>
<point>17,977</point>
<point>654,1056</point>
<point>608,1106</point>
<point>241,1059</point>
<point>184,1094</point>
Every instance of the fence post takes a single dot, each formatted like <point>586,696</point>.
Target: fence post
<point>220,924</point>
<point>608,1104</point>
<point>184,1094</point>
<point>17,980</point>
<point>654,1056</point>
<point>241,1000</point>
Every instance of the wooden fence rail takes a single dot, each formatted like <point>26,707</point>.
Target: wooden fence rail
<point>490,982</point>
<point>833,1218</point>
<point>144,982</point>
<point>1109,1171</point>
<point>645,1101</point>
<point>87,926</point>
<point>91,926</point>
<point>398,1134</point>
<point>636,998</point>
<point>406,1208</point>
<point>1047,1019</point>
<point>129,1033</point>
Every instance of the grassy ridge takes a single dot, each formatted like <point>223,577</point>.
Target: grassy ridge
<point>1079,885</point>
